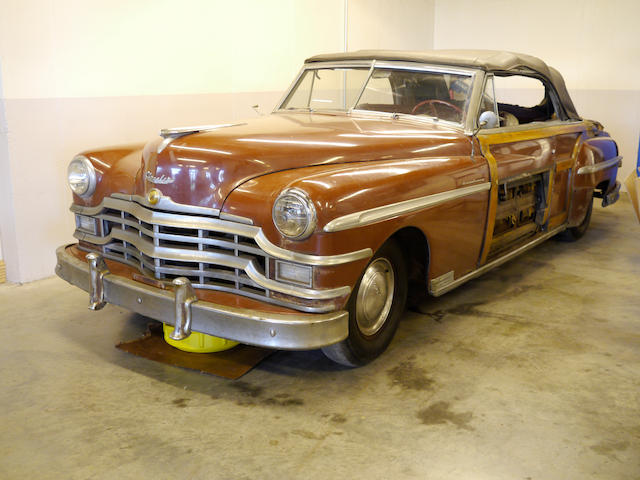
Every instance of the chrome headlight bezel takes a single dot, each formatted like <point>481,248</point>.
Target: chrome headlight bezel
<point>305,225</point>
<point>88,171</point>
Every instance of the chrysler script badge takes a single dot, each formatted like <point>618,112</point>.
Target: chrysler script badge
<point>162,179</point>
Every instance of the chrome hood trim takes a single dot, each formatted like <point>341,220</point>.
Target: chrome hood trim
<point>170,134</point>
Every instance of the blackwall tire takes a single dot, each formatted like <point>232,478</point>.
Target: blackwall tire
<point>375,308</point>
<point>572,234</point>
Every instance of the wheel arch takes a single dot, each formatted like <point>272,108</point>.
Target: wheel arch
<point>416,251</point>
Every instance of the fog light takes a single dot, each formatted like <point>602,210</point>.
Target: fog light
<point>294,273</point>
<point>87,224</point>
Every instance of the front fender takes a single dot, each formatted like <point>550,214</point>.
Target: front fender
<point>454,229</point>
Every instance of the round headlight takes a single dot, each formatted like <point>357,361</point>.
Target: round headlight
<point>294,214</point>
<point>82,176</point>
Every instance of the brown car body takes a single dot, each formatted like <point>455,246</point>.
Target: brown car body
<point>456,200</point>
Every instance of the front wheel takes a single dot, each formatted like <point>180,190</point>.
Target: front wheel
<point>375,308</point>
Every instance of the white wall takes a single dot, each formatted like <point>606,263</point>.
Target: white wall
<point>390,24</point>
<point>594,44</point>
<point>76,74</point>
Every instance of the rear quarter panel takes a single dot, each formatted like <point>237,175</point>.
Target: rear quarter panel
<point>591,150</point>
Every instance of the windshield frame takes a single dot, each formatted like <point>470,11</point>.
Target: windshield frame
<point>474,74</point>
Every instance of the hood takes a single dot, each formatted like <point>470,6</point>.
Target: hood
<point>203,168</point>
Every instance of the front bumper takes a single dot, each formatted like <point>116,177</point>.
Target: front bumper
<point>296,331</point>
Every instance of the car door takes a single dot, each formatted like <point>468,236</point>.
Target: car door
<point>530,154</point>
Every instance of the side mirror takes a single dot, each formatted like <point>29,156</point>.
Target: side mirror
<point>488,119</point>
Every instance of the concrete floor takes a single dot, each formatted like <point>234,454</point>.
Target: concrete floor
<point>530,372</point>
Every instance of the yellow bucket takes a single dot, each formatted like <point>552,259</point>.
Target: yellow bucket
<point>198,342</point>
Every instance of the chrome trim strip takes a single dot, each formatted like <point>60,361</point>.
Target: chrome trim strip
<point>171,134</point>
<point>385,212</point>
<point>168,219</point>
<point>165,203</point>
<point>600,166</point>
<point>301,292</point>
<point>230,261</point>
<point>337,64</point>
<point>235,218</point>
<point>288,91</point>
<point>295,331</point>
<point>124,203</point>
<point>362,88</point>
<point>440,290</point>
<point>529,126</point>
<point>425,67</point>
<point>180,131</point>
<point>319,260</point>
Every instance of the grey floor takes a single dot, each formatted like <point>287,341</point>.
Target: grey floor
<point>530,372</point>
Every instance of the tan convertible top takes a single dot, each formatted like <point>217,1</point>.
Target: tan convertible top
<point>489,60</point>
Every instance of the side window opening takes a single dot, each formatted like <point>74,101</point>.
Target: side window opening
<point>521,100</point>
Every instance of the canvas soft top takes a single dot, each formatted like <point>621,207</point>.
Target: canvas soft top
<point>488,60</point>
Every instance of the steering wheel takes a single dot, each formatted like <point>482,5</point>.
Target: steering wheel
<point>432,103</point>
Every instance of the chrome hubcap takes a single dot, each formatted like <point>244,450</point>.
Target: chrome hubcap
<point>375,296</point>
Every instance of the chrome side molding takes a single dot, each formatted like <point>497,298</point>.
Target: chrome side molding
<point>97,270</point>
<point>596,167</point>
<point>184,297</point>
<point>385,212</point>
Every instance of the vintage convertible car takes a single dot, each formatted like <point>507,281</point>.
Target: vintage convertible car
<point>380,175</point>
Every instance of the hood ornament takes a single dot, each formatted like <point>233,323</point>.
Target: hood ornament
<point>162,179</point>
<point>170,134</point>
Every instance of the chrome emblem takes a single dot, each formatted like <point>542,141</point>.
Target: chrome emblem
<point>162,179</point>
<point>154,196</point>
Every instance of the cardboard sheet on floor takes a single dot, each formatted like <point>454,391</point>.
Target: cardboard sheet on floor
<point>632,182</point>
<point>231,364</point>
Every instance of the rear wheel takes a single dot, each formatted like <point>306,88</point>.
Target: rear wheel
<point>572,234</point>
<point>375,308</point>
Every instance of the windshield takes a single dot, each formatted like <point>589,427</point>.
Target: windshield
<point>396,91</point>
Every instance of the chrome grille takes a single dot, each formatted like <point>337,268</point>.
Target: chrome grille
<point>226,274</point>
<point>214,251</point>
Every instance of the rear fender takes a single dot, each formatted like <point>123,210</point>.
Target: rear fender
<point>587,183</point>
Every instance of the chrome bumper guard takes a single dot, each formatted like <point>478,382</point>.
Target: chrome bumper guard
<point>180,308</point>
<point>612,195</point>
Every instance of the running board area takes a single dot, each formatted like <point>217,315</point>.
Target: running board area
<point>438,288</point>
